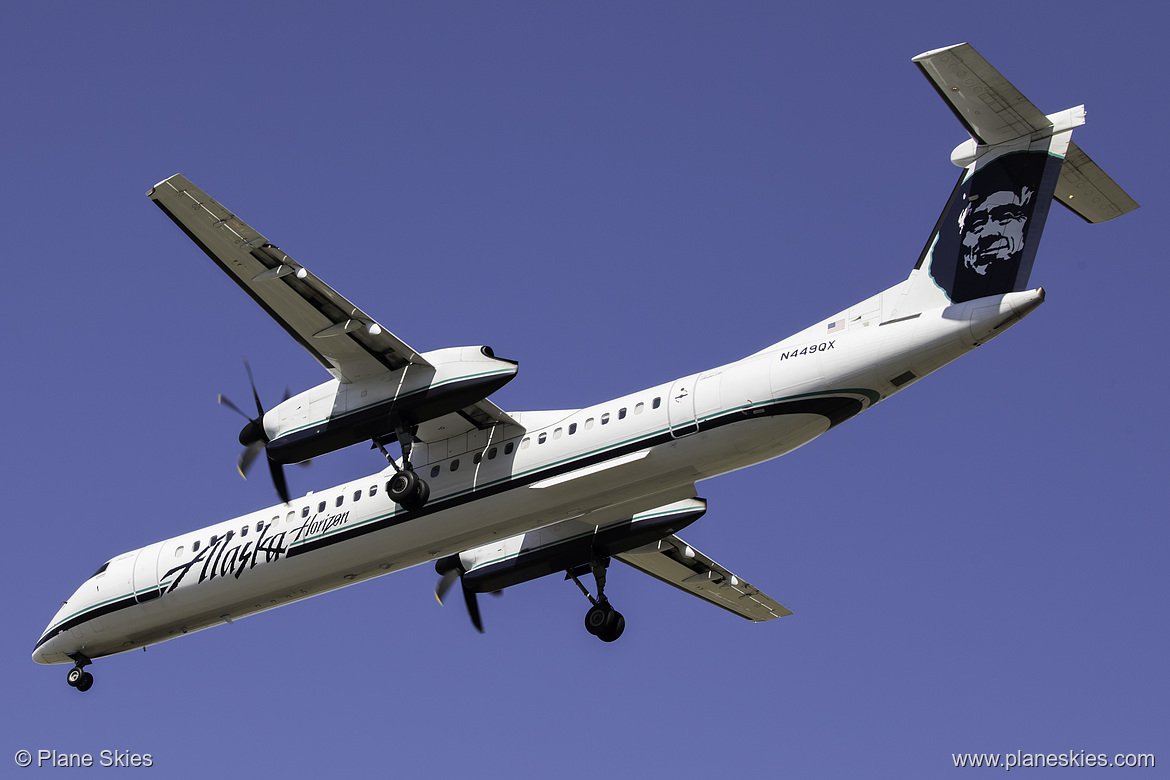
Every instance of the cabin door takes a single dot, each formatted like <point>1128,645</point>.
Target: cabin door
<point>680,406</point>
<point>145,582</point>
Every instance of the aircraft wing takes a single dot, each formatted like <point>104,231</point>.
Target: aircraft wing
<point>343,338</point>
<point>677,563</point>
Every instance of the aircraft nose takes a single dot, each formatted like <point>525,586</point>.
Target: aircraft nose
<point>46,649</point>
<point>51,647</point>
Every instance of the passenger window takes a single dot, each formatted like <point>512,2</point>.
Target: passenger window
<point>321,507</point>
<point>508,448</point>
<point>639,407</point>
<point>305,511</point>
<point>572,428</point>
<point>357,495</point>
<point>557,433</point>
<point>287,518</point>
<point>605,419</point>
<point>243,532</point>
<point>214,539</point>
<point>455,465</point>
<point>524,444</point>
<point>542,438</point>
<point>179,551</point>
<point>435,471</point>
<point>622,413</point>
<point>195,546</point>
<point>492,454</point>
<point>589,423</point>
<point>373,490</point>
<point>656,403</point>
<point>340,500</point>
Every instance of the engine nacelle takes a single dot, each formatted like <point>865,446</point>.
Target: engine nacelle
<point>563,547</point>
<point>333,415</point>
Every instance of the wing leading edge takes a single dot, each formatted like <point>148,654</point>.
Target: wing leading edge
<point>350,344</point>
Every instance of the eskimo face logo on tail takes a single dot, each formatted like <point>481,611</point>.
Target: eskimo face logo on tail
<point>986,243</point>
<point>993,230</point>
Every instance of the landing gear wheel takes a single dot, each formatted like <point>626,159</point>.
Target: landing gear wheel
<point>597,618</point>
<point>424,495</point>
<point>602,620</point>
<point>80,679</point>
<point>408,490</point>
<point>614,627</point>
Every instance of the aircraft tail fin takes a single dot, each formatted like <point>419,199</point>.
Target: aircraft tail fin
<point>1016,161</point>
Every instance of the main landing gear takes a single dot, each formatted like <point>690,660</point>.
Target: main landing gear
<point>405,488</point>
<point>79,678</point>
<point>602,620</point>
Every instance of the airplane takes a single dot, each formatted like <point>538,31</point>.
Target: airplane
<point>494,499</point>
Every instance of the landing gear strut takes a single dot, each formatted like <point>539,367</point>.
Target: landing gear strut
<point>79,678</point>
<point>406,488</point>
<point>602,620</point>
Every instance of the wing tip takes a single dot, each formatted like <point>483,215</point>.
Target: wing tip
<point>150,192</point>
<point>933,52</point>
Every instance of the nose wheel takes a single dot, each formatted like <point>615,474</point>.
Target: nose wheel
<point>602,620</point>
<point>79,678</point>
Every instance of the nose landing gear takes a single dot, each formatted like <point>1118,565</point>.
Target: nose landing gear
<point>79,678</point>
<point>602,620</point>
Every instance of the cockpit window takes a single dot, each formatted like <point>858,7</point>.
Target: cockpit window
<point>101,569</point>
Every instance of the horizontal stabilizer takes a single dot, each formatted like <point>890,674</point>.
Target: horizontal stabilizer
<point>677,563</point>
<point>1017,161</point>
<point>1088,191</point>
<point>992,110</point>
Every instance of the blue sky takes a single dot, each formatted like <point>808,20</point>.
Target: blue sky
<point>613,194</point>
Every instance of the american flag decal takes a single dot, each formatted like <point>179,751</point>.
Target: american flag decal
<point>836,326</point>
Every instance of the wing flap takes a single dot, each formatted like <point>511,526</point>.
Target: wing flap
<point>676,563</point>
<point>349,343</point>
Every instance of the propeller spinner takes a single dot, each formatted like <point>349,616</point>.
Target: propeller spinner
<point>255,440</point>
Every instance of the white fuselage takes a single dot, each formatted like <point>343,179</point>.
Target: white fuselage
<point>607,461</point>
